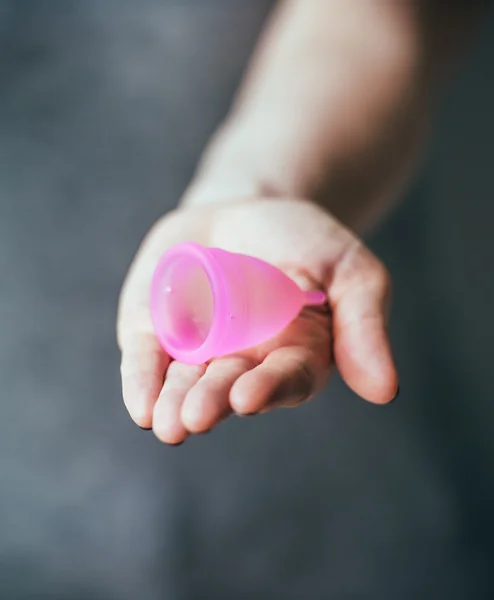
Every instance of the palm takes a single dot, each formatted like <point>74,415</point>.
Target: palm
<point>298,237</point>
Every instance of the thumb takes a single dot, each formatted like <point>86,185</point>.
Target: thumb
<point>358,295</point>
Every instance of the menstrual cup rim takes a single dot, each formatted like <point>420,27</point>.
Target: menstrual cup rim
<point>220,302</point>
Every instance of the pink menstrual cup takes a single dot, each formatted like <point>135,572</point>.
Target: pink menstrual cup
<point>206,302</point>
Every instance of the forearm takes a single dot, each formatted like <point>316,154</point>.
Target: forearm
<point>334,108</point>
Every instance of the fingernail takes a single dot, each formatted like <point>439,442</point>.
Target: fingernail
<point>397,394</point>
<point>145,428</point>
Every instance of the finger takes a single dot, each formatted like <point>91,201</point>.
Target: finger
<point>167,420</point>
<point>143,360</point>
<point>142,369</point>
<point>287,377</point>
<point>207,403</point>
<point>358,296</point>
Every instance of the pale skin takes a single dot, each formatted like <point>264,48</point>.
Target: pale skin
<point>320,140</point>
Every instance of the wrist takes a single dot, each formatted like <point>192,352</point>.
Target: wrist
<point>356,178</point>
<point>238,164</point>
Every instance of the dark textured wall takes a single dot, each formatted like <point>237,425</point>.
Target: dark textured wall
<point>104,108</point>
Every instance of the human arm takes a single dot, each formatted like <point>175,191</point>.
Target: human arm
<point>320,140</point>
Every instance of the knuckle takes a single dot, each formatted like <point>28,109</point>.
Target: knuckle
<point>181,376</point>
<point>376,273</point>
<point>304,381</point>
<point>381,275</point>
<point>178,369</point>
<point>235,364</point>
<point>360,266</point>
<point>307,379</point>
<point>316,370</point>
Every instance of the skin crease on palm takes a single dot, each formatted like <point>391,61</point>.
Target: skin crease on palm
<point>177,400</point>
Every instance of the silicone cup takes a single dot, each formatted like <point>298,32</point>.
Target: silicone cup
<point>207,302</point>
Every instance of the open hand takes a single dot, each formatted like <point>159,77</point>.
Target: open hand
<point>317,252</point>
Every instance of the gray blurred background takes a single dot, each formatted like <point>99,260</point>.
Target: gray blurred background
<point>105,106</point>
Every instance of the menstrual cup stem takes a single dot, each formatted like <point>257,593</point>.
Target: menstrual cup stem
<point>315,298</point>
